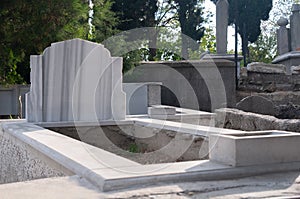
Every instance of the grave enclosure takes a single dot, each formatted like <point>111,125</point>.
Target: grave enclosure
<point>77,124</point>
<point>83,118</point>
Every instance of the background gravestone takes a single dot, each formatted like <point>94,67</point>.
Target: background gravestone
<point>75,80</point>
<point>222,26</point>
<point>257,104</point>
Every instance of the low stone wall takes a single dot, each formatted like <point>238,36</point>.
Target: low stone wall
<point>278,98</point>
<point>240,120</point>
<point>190,84</point>
<point>260,77</point>
<point>20,162</point>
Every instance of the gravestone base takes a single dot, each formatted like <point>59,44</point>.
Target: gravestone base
<point>254,148</point>
<point>289,59</point>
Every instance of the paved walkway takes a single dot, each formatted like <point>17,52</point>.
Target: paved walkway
<point>283,185</point>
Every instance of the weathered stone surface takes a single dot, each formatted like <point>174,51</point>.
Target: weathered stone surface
<point>269,82</point>
<point>266,68</point>
<point>289,111</point>
<point>283,42</point>
<point>295,70</point>
<point>19,162</point>
<point>240,120</point>
<point>278,98</point>
<point>257,104</point>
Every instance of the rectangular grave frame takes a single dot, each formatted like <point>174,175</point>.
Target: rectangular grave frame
<point>255,148</point>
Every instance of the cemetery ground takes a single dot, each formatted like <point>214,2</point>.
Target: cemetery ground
<point>169,129</point>
<point>134,147</point>
<point>281,185</point>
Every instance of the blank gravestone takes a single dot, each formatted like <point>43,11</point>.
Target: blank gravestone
<point>75,80</point>
<point>257,104</point>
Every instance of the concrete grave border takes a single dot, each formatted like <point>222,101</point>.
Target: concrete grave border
<point>118,172</point>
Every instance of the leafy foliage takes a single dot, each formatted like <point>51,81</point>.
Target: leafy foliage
<point>248,14</point>
<point>104,21</point>
<point>135,14</point>
<point>264,49</point>
<point>190,18</point>
<point>27,27</point>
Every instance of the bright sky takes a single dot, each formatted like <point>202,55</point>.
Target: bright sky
<point>210,6</point>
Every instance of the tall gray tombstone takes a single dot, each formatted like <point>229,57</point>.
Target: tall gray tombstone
<point>222,26</point>
<point>295,27</point>
<point>75,80</point>
<point>283,40</point>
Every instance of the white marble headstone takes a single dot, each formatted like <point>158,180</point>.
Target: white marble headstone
<point>75,80</point>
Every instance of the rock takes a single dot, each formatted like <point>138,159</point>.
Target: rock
<point>266,68</point>
<point>295,70</point>
<point>240,120</point>
<point>289,111</point>
<point>257,104</point>
<point>243,72</point>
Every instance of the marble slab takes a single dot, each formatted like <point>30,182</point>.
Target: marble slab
<point>75,80</point>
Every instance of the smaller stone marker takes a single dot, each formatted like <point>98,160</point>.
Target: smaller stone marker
<point>161,110</point>
<point>257,104</point>
<point>283,40</point>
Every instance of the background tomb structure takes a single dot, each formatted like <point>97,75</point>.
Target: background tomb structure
<point>288,40</point>
<point>222,16</point>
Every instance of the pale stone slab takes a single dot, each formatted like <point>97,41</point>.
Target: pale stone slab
<point>139,96</point>
<point>255,149</point>
<point>266,68</point>
<point>75,80</point>
<point>110,172</point>
<point>161,110</point>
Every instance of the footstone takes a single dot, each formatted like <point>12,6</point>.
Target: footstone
<point>257,104</point>
<point>161,110</point>
<point>266,68</point>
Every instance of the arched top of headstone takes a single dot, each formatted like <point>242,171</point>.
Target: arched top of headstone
<point>75,80</point>
<point>282,22</point>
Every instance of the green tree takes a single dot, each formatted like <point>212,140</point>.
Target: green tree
<point>136,14</point>
<point>104,20</point>
<point>27,27</point>
<point>247,15</point>
<point>264,49</point>
<point>191,20</point>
